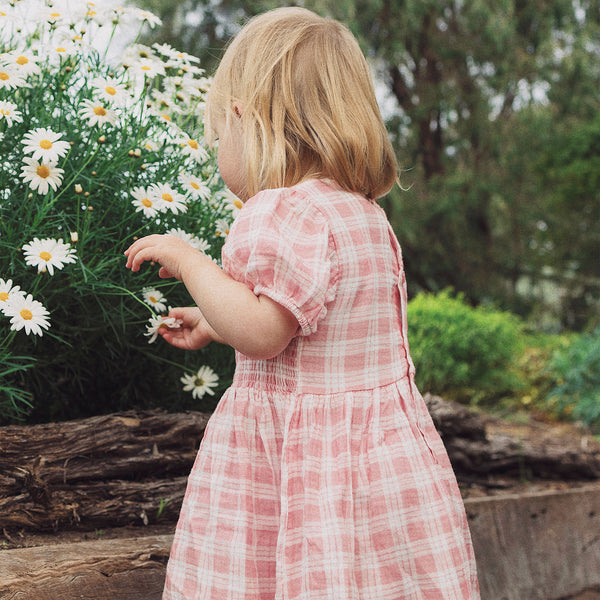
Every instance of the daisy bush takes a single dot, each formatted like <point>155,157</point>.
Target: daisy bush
<point>97,149</point>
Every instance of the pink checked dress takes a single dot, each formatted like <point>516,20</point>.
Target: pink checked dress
<point>321,475</point>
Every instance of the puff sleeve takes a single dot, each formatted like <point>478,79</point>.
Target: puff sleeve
<point>280,246</point>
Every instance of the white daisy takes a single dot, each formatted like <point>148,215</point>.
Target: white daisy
<point>155,299</point>
<point>195,186</point>
<point>7,292</point>
<point>45,145</point>
<point>172,200</point>
<point>193,148</point>
<point>41,175</point>
<point>232,203</point>
<point>201,383</point>
<point>147,17</point>
<point>222,228</point>
<point>48,253</point>
<point>155,323</point>
<point>151,145</point>
<point>25,62</point>
<point>9,112</point>
<point>111,90</point>
<point>27,313</point>
<point>134,53</point>
<point>198,243</point>
<point>148,67</point>
<point>60,49</point>
<point>174,54</point>
<point>97,113</point>
<point>146,202</point>
<point>11,79</point>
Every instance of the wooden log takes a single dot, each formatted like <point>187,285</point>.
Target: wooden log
<point>131,467</point>
<point>127,569</point>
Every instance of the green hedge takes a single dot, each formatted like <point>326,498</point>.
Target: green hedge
<point>464,353</point>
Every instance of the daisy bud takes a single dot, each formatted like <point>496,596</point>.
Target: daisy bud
<point>90,208</point>
<point>74,237</point>
<point>86,194</point>
<point>78,188</point>
<point>137,152</point>
<point>102,139</point>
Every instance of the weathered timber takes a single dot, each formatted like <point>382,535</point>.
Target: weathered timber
<point>130,468</point>
<point>127,569</point>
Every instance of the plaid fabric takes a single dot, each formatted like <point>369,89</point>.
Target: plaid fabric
<point>321,475</point>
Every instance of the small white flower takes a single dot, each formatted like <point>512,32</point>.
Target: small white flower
<point>48,253</point>
<point>25,62</point>
<point>9,112</point>
<point>151,145</point>
<point>134,53</point>
<point>201,383</point>
<point>148,67</point>
<point>155,299</point>
<point>45,145</point>
<point>155,323</point>
<point>194,241</point>
<point>222,228</point>
<point>11,79</point>
<point>59,49</point>
<point>111,90</point>
<point>147,17</point>
<point>97,113</point>
<point>41,176</point>
<point>171,199</point>
<point>27,313</point>
<point>194,185</point>
<point>175,55</point>
<point>232,203</point>
<point>193,148</point>
<point>146,202</point>
<point>7,292</point>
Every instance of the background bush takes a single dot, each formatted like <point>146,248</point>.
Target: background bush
<point>463,353</point>
<point>576,372</point>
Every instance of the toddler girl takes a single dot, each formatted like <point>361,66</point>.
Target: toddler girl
<point>320,475</point>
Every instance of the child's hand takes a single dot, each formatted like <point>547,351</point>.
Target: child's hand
<point>193,333</point>
<point>167,250</point>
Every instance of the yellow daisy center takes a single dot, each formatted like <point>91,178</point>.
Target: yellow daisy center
<point>109,89</point>
<point>167,197</point>
<point>45,144</point>
<point>61,49</point>
<point>194,185</point>
<point>238,203</point>
<point>153,299</point>
<point>166,117</point>
<point>45,255</point>
<point>22,60</point>
<point>26,314</point>
<point>3,296</point>
<point>4,111</point>
<point>146,202</point>
<point>55,15</point>
<point>99,110</point>
<point>199,382</point>
<point>193,144</point>
<point>4,76</point>
<point>146,68</point>
<point>42,171</point>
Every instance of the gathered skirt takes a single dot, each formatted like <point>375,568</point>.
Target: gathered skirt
<point>346,496</point>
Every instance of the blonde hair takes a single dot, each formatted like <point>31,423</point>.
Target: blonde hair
<point>309,107</point>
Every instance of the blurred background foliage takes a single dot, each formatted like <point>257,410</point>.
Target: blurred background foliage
<point>493,108</point>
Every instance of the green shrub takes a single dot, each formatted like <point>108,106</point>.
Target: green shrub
<point>576,370</point>
<point>463,353</point>
<point>93,155</point>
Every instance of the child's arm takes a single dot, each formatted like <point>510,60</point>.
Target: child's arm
<point>254,325</point>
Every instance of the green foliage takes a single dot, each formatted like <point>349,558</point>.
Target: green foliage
<point>463,353</point>
<point>90,352</point>
<point>576,370</point>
